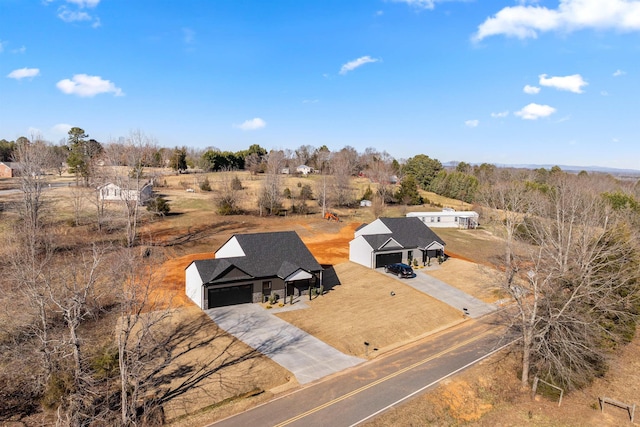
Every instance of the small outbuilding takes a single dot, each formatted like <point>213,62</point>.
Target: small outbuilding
<point>448,218</point>
<point>251,268</point>
<point>391,240</point>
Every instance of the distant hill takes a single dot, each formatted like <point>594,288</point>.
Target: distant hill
<point>567,168</point>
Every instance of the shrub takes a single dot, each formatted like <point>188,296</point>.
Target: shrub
<point>159,206</point>
<point>236,184</point>
<point>205,185</point>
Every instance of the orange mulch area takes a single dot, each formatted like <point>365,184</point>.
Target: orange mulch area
<point>171,287</point>
<point>332,248</point>
<point>328,248</point>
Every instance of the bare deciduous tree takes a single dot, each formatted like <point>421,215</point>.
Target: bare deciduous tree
<point>32,158</point>
<point>74,296</point>
<point>270,197</point>
<point>137,151</point>
<point>343,165</point>
<point>572,270</point>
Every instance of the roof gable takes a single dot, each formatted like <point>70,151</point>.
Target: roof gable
<point>230,249</point>
<point>405,232</point>
<point>411,232</point>
<point>278,254</point>
<point>375,227</point>
<point>391,243</point>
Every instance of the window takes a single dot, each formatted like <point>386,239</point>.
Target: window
<point>432,219</point>
<point>438,219</point>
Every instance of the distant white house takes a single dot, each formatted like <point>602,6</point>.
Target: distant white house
<point>304,169</point>
<point>365,203</point>
<point>115,193</point>
<point>448,218</point>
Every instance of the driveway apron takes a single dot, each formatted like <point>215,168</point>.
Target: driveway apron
<point>449,295</point>
<point>304,355</point>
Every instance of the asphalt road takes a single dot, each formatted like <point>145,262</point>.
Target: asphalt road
<point>362,392</point>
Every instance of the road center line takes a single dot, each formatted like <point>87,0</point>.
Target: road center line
<point>431,384</point>
<point>381,380</point>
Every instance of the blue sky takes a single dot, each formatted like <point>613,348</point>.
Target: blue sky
<point>508,82</point>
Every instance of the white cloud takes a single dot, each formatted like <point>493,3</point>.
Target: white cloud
<point>531,90</point>
<point>571,83</point>
<point>84,3</point>
<point>253,124</point>
<point>535,111</point>
<point>22,73</point>
<point>500,115</point>
<point>72,16</point>
<point>61,129</point>
<point>352,65</point>
<point>604,93</point>
<point>524,21</point>
<point>472,123</point>
<point>22,49</point>
<point>619,73</point>
<point>87,86</point>
<point>420,4</point>
<point>76,12</point>
<point>310,101</point>
<point>2,44</point>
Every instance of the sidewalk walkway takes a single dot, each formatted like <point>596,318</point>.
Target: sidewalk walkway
<point>449,295</point>
<point>307,357</point>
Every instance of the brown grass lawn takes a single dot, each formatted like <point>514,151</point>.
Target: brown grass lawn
<point>203,349</point>
<point>361,309</point>
<point>480,281</point>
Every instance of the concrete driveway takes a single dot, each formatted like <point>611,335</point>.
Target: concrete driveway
<point>305,356</point>
<point>449,294</point>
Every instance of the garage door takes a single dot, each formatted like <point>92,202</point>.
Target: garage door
<point>220,297</point>
<point>386,259</point>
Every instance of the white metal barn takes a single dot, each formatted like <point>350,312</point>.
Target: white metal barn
<point>447,218</point>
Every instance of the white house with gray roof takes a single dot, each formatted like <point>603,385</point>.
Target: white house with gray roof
<point>249,268</point>
<point>448,218</point>
<point>391,240</point>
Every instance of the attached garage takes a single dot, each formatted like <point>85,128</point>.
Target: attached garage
<point>386,259</point>
<point>230,295</point>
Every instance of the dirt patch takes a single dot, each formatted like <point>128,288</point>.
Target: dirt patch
<point>332,248</point>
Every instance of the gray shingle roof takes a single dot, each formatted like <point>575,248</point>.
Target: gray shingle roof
<point>276,254</point>
<point>409,232</point>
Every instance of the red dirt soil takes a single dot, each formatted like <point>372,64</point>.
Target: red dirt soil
<point>328,248</point>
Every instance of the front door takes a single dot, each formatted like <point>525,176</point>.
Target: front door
<point>266,290</point>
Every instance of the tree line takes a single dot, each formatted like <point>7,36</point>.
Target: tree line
<point>571,264</point>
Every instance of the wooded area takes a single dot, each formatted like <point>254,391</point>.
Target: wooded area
<point>83,337</point>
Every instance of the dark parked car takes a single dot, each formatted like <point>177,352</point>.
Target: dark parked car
<point>402,270</point>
